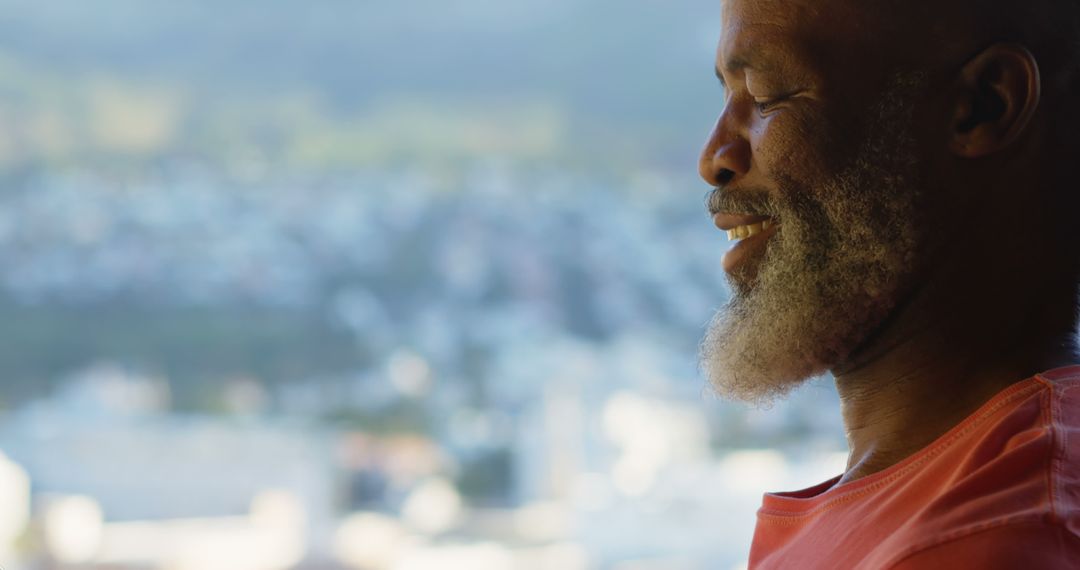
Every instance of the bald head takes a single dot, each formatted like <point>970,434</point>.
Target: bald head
<point>892,143</point>
<point>933,30</point>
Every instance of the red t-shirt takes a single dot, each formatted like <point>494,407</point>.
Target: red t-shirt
<point>1000,491</point>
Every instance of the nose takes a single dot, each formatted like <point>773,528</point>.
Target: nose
<point>726,155</point>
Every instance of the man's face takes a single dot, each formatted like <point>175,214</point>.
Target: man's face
<point>823,148</point>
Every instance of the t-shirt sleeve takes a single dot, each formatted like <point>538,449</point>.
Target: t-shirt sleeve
<point>1009,547</point>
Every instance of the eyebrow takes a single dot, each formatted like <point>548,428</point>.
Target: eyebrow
<point>740,63</point>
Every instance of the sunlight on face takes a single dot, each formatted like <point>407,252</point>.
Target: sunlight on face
<point>841,261</point>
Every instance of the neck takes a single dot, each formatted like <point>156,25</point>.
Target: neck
<point>897,406</point>
<point>929,369</point>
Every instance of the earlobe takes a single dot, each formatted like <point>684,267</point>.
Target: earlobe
<point>997,93</point>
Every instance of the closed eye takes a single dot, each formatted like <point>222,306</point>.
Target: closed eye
<point>764,105</point>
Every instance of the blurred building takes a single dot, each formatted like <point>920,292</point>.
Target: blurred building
<point>15,514</point>
<point>167,477</point>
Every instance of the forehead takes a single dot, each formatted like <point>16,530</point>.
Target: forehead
<point>789,29</point>
<point>769,13</point>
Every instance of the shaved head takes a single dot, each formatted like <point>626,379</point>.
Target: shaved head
<point>930,31</point>
<point>888,142</point>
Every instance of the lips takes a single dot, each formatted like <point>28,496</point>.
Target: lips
<point>750,231</point>
<point>726,221</point>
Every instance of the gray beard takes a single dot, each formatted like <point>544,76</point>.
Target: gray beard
<point>842,259</point>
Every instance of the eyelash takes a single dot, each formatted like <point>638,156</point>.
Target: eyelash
<point>765,106</point>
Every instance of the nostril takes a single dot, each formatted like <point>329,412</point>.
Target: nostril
<point>724,176</point>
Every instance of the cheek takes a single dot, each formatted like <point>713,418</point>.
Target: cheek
<point>790,145</point>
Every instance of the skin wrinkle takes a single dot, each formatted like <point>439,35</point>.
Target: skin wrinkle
<point>891,185</point>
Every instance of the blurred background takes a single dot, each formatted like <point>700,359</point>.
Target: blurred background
<point>361,284</point>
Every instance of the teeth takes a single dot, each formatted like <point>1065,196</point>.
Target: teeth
<point>742,232</point>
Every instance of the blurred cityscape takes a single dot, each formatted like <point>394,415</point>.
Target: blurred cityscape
<point>498,367</point>
<point>285,287</point>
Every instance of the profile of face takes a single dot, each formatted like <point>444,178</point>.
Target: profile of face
<point>831,160</point>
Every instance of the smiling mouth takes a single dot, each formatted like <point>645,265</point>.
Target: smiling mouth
<point>750,231</point>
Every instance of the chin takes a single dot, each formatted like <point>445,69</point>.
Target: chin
<point>755,366</point>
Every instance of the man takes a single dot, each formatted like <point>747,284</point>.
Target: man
<point>901,177</point>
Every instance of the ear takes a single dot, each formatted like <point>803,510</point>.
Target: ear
<point>997,94</point>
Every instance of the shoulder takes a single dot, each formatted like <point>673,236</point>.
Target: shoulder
<point>1019,545</point>
<point>1013,493</point>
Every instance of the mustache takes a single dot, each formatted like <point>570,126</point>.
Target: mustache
<point>751,201</point>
